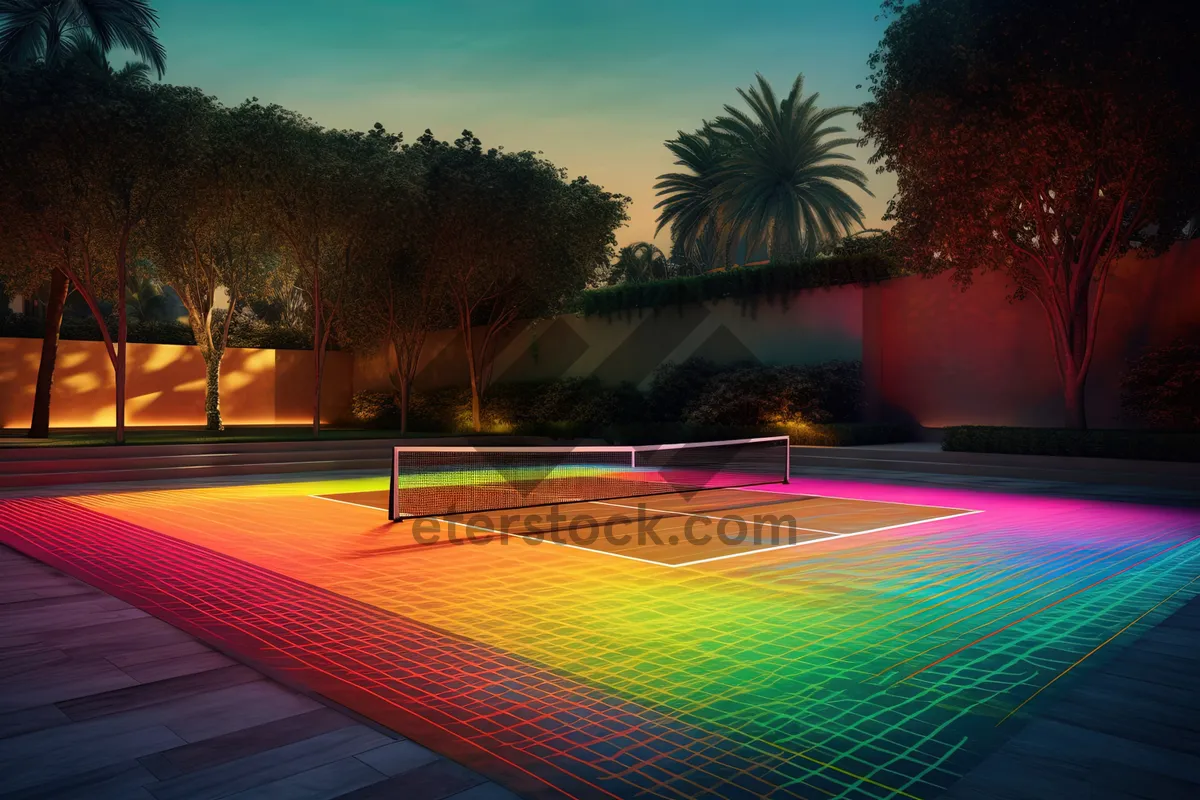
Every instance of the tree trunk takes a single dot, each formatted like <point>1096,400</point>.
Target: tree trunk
<point>122,335</point>
<point>39,426</point>
<point>1075,411</point>
<point>403,405</point>
<point>317,341</point>
<point>212,389</point>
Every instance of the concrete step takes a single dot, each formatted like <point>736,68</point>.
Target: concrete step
<point>111,475</point>
<point>88,464</point>
<point>61,466</point>
<point>1111,471</point>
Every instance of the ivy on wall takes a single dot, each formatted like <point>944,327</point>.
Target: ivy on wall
<point>770,282</point>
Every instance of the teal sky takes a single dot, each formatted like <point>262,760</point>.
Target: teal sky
<point>597,85</point>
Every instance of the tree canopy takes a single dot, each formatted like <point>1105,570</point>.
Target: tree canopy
<point>773,175</point>
<point>1043,140</point>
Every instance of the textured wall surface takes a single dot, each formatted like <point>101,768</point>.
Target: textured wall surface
<point>165,385</point>
<point>931,353</point>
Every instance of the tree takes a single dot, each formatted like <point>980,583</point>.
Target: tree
<point>211,233</point>
<point>399,299</point>
<point>690,205</point>
<point>53,31</point>
<point>1040,140</point>
<point>87,159</point>
<point>640,262</point>
<point>510,236</point>
<point>28,30</point>
<point>144,296</point>
<point>330,194</point>
<point>767,177</point>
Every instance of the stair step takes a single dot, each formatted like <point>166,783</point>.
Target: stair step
<point>14,480</point>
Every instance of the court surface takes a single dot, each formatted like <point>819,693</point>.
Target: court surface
<point>880,649</point>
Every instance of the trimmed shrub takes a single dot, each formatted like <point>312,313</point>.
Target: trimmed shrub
<point>832,435</point>
<point>1162,387</point>
<point>1151,445</point>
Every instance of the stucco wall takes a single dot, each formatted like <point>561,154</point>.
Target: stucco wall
<point>948,357</point>
<point>165,385</point>
<point>932,354</point>
<point>809,327</point>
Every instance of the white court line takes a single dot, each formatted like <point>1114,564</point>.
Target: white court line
<point>551,541</point>
<point>840,497</point>
<point>828,535</point>
<point>347,503</point>
<point>826,539</point>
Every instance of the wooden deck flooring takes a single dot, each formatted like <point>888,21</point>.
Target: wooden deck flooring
<point>100,700</point>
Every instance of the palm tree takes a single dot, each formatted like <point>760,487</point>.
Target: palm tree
<point>51,31</point>
<point>145,300</point>
<point>640,262</point>
<point>769,176</point>
<point>780,184</point>
<point>689,205</point>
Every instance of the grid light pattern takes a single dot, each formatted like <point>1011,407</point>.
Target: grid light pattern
<point>444,481</point>
<point>881,666</point>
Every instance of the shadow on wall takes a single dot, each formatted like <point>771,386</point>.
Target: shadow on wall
<point>166,385</point>
<point>809,328</point>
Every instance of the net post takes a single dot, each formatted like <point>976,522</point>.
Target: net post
<point>787,460</point>
<point>392,487</point>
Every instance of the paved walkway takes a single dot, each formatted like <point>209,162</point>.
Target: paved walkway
<point>100,700</point>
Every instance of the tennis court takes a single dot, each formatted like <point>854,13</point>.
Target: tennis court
<point>879,647</point>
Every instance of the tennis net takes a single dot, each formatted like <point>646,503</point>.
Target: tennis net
<point>446,481</point>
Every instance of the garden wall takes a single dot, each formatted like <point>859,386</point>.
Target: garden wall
<point>165,385</point>
<point>932,354</point>
<point>941,356</point>
<point>809,327</point>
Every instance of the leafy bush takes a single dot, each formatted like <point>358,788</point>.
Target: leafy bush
<point>570,407</point>
<point>674,385</point>
<point>840,387</point>
<point>699,393</point>
<point>1152,445</point>
<point>1162,387</point>
<point>769,281</point>
<point>756,396</point>
<point>374,409</point>
<point>250,330</point>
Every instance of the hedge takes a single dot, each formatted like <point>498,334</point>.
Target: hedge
<point>746,283</point>
<point>85,329</point>
<point>1150,445</point>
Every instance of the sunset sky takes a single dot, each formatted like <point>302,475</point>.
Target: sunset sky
<point>596,85</point>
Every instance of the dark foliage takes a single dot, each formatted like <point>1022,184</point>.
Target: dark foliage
<point>1151,445</point>
<point>85,329</point>
<point>1162,387</point>
<point>770,282</point>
